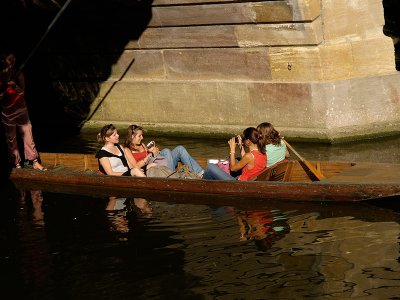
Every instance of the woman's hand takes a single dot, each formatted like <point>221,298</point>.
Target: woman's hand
<point>154,150</point>
<point>232,145</point>
<point>137,172</point>
<point>240,141</point>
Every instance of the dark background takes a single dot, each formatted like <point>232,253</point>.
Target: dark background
<point>64,73</point>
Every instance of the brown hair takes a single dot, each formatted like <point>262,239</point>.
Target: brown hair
<point>132,131</point>
<point>255,137</point>
<point>269,134</point>
<point>106,131</point>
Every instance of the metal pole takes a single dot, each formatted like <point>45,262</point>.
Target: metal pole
<point>60,12</point>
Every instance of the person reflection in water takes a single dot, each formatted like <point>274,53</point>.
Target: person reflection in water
<point>264,227</point>
<point>37,200</point>
<point>124,214</point>
<point>140,205</point>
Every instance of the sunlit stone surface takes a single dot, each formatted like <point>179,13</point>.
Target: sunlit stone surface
<point>315,69</point>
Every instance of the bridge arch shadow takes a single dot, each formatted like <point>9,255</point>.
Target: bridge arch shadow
<point>64,74</point>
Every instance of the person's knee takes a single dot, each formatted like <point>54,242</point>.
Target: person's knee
<point>166,151</point>
<point>210,168</point>
<point>180,149</point>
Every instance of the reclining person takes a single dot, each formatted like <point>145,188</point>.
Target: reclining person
<point>142,154</point>
<point>111,156</point>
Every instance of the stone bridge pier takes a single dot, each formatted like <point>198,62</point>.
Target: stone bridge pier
<point>318,70</point>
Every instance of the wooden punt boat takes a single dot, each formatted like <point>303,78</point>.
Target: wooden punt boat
<point>346,181</point>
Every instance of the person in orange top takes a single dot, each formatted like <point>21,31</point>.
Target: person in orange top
<point>251,164</point>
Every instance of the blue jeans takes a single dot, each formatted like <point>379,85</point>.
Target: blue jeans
<point>213,172</point>
<point>180,154</point>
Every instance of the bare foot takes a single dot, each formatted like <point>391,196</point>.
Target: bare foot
<point>37,166</point>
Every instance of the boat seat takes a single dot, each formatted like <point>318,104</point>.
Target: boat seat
<point>279,172</point>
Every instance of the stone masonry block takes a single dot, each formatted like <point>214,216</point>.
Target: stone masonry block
<point>218,64</point>
<point>230,13</point>
<point>373,56</point>
<point>285,11</point>
<point>352,19</point>
<point>235,13</point>
<point>279,104</point>
<point>138,65</point>
<point>336,61</point>
<point>295,63</point>
<point>188,37</point>
<point>280,34</point>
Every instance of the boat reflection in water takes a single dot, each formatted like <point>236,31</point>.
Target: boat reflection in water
<point>264,227</point>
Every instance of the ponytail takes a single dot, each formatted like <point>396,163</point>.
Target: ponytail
<point>255,137</point>
<point>106,131</point>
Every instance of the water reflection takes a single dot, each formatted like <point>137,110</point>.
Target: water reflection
<point>264,227</point>
<point>121,210</point>
<point>140,205</point>
<point>33,200</point>
<point>76,247</point>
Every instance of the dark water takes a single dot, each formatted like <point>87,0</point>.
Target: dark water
<point>56,246</point>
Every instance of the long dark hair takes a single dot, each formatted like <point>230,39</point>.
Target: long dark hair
<point>106,131</point>
<point>255,137</point>
<point>269,133</point>
<point>132,131</point>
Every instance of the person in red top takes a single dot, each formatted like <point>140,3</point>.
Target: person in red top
<point>14,113</point>
<point>251,164</point>
<point>147,157</point>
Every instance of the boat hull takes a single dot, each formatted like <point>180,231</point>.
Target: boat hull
<point>97,185</point>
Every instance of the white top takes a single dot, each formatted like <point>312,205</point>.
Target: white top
<point>116,163</point>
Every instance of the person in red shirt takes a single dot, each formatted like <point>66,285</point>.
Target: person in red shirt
<point>14,113</point>
<point>147,157</point>
<point>250,165</point>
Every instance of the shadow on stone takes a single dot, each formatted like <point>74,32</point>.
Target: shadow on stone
<point>64,74</point>
<point>392,25</point>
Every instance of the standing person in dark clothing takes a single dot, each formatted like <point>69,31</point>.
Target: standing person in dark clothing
<point>14,113</point>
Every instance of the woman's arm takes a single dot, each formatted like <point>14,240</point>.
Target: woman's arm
<point>236,166</point>
<point>133,165</point>
<point>247,159</point>
<point>132,161</point>
<point>105,163</point>
<point>287,153</point>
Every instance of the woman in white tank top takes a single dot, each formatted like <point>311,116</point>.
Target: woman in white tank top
<point>111,156</point>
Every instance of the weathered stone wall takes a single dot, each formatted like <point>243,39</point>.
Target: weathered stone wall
<point>315,69</point>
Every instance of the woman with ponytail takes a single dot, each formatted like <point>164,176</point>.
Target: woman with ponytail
<point>250,165</point>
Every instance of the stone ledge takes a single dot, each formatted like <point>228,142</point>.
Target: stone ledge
<point>344,135</point>
<point>326,111</point>
<point>256,35</point>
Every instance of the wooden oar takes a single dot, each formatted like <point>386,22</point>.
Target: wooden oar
<point>313,170</point>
